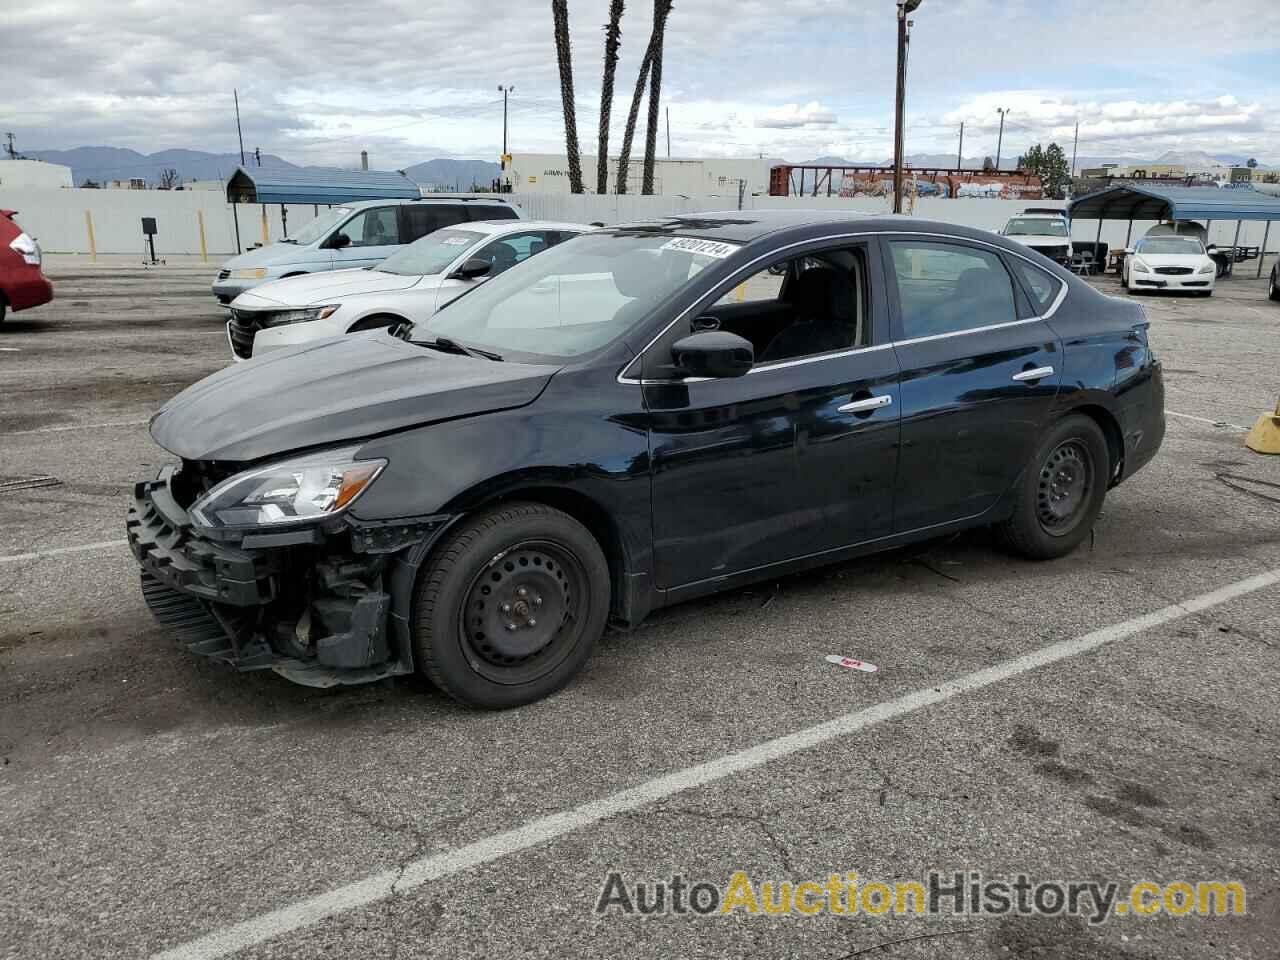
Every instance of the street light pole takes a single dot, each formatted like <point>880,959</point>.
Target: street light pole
<point>1000,142</point>
<point>900,112</point>
<point>505,91</point>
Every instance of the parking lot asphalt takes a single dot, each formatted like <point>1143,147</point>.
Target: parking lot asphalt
<point>150,801</point>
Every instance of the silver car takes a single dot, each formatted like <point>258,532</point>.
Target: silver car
<point>353,235</point>
<point>409,285</point>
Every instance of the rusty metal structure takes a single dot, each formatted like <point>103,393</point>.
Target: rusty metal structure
<point>813,180</point>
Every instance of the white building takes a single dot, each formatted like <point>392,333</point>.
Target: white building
<point>34,173</point>
<point>549,173</point>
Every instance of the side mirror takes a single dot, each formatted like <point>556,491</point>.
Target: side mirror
<point>339,240</point>
<point>713,353</point>
<point>473,268</point>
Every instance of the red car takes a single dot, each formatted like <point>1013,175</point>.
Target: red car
<point>22,285</point>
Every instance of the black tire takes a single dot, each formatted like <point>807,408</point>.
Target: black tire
<point>505,567</point>
<point>3,307</point>
<point>1060,492</point>
<point>1273,285</point>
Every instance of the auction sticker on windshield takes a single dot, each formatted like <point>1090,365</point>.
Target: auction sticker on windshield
<point>708,248</point>
<point>456,241</point>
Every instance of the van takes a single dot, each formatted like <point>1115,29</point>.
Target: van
<point>353,235</point>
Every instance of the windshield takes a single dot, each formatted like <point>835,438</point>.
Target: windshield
<point>1035,228</point>
<point>1186,246</point>
<point>431,254</point>
<point>320,226</point>
<point>575,297</point>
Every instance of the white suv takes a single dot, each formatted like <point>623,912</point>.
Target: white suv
<point>1047,233</point>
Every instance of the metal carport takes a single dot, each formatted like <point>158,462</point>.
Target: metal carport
<point>1131,202</point>
<point>316,185</point>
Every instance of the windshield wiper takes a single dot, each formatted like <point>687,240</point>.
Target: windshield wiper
<point>445,345</point>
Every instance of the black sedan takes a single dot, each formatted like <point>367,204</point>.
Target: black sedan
<point>641,415</point>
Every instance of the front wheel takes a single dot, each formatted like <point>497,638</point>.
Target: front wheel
<point>1060,492</point>
<point>1273,285</point>
<point>511,605</point>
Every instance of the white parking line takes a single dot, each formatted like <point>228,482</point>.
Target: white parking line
<point>1216,423</point>
<point>63,551</point>
<point>78,426</point>
<point>313,910</point>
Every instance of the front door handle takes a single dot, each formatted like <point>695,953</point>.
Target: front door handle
<point>1039,373</point>
<point>869,403</point>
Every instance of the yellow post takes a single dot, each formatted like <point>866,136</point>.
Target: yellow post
<point>204,253</point>
<point>265,238</point>
<point>93,246</point>
<point>1265,435</point>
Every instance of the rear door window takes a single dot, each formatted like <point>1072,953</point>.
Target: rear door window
<point>492,211</point>
<point>946,288</point>
<point>1041,288</point>
<point>430,217</point>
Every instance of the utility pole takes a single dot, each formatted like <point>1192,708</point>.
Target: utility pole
<point>960,149</point>
<point>1000,142</point>
<point>899,131</point>
<point>9,149</point>
<point>505,91</point>
<point>1073,150</point>
<point>257,155</point>
<point>668,133</point>
<point>239,133</point>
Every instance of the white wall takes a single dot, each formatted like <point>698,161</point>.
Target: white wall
<point>57,217</point>
<point>34,173</point>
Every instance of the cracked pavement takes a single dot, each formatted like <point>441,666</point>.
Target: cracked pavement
<point>147,797</point>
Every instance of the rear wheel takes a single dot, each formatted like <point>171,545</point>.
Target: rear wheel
<point>1061,490</point>
<point>3,306</point>
<point>511,606</point>
<point>1273,285</point>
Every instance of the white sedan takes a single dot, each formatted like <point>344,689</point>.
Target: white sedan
<point>1170,262</point>
<point>409,285</point>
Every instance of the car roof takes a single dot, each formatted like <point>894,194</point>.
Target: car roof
<point>744,226</point>
<point>447,198</point>
<point>508,225</point>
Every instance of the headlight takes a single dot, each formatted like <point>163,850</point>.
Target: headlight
<point>1141,265</point>
<point>27,247</point>
<point>1208,268</point>
<point>293,491</point>
<point>283,317</point>
<point>257,273</point>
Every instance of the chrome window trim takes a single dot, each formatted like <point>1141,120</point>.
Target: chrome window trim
<point>1053,308</point>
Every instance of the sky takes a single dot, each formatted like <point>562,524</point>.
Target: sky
<point>410,80</point>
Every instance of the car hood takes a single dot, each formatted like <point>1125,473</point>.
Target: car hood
<point>1041,240</point>
<point>327,287</point>
<point>334,390</point>
<point>268,256</point>
<point>1174,259</point>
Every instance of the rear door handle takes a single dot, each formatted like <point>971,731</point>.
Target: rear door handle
<point>869,403</point>
<point>1039,373</point>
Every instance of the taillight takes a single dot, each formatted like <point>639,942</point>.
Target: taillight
<point>27,247</point>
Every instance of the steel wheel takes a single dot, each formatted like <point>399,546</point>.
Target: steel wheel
<point>521,612</point>
<point>1066,485</point>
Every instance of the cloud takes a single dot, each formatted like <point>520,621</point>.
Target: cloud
<point>792,116</point>
<point>319,80</point>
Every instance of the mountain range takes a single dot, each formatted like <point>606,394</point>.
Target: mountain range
<point>103,164</point>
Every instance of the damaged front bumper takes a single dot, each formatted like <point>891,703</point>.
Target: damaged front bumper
<point>321,605</point>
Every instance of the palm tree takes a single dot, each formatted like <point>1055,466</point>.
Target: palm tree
<point>624,157</point>
<point>661,9</point>
<point>560,17</point>
<point>612,40</point>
